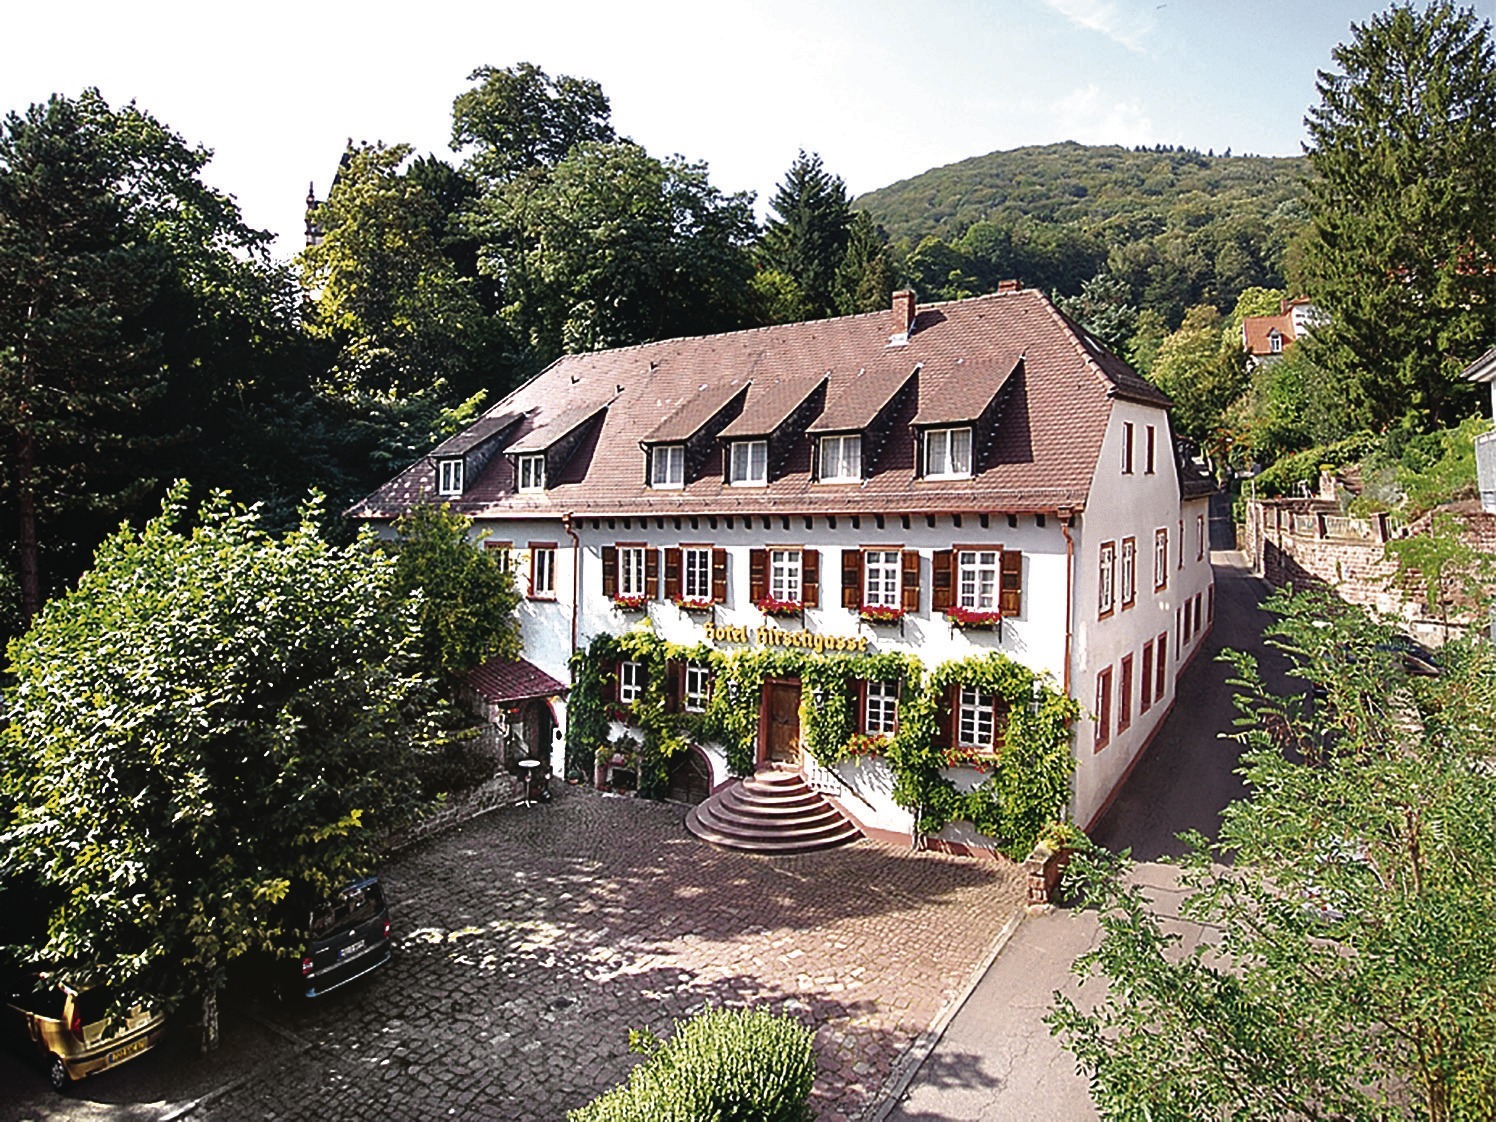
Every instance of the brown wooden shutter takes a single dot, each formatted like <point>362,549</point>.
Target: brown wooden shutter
<point>859,699</point>
<point>758,574</point>
<point>610,682</point>
<point>672,573</point>
<point>610,572</point>
<point>651,572</point>
<point>909,581</point>
<point>942,580</point>
<point>810,577</point>
<point>999,723</point>
<point>945,716</point>
<point>1010,598</point>
<point>675,673</point>
<point>719,575</point>
<point>852,578</point>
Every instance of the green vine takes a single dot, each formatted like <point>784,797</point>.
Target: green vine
<point>1024,792</point>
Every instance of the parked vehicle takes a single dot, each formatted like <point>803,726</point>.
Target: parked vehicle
<point>350,937</point>
<point>72,1030</point>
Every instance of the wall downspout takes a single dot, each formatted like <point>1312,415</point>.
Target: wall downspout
<point>1064,517</point>
<point>576,585</point>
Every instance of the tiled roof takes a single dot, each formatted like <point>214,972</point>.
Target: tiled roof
<point>770,403</point>
<point>961,390</point>
<point>543,435</point>
<point>1042,456</point>
<point>476,433</point>
<point>860,398</point>
<point>502,680</point>
<point>1257,329</point>
<point>708,401</point>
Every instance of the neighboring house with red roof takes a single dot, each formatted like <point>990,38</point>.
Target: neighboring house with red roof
<point>982,456</point>
<point>1266,337</point>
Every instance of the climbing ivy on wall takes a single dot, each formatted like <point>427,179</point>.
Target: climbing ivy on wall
<point>1026,786</point>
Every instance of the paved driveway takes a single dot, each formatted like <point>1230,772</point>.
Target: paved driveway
<point>531,941</point>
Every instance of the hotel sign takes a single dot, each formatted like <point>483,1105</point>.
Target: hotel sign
<point>775,637</point>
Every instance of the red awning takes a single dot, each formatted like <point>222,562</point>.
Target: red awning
<point>504,680</point>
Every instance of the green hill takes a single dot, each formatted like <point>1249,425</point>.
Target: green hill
<point>1177,226</point>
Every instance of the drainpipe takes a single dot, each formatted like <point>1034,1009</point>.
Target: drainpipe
<point>576,579</point>
<point>1064,517</point>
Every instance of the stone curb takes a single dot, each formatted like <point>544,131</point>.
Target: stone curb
<point>907,1066</point>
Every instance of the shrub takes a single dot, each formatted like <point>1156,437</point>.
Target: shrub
<point>721,1066</point>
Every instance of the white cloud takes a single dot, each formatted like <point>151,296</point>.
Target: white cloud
<point>1085,115</point>
<point>1130,29</point>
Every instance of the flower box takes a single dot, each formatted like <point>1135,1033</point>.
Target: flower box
<point>688,605</point>
<point>873,613</point>
<point>868,744</point>
<point>972,619</point>
<point>630,603</point>
<point>772,607</point>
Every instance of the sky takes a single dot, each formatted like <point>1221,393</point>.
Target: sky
<point>882,90</point>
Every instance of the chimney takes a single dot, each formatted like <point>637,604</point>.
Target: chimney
<point>1010,286</point>
<point>903,317</point>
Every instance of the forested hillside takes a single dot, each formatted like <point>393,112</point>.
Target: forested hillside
<point>1178,226</point>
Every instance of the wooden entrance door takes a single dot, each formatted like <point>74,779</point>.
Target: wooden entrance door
<point>779,723</point>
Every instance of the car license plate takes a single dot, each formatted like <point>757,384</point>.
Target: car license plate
<point>126,1052</point>
<point>351,948</point>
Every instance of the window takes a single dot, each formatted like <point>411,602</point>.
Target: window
<point>1149,436</point>
<point>1124,696</point>
<point>1161,666</point>
<point>502,553</point>
<point>948,454</point>
<point>1128,593</point>
<point>449,481</point>
<point>1199,537</point>
<point>784,574</point>
<point>1145,683</point>
<point>631,571</point>
<point>1275,342</point>
<point>696,574</point>
<point>698,686</point>
<point>749,463</point>
<point>630,681</point>
<point>1105,579</point>
<point>841,459</point>
<point>977,579</point>
<point>1103,708</point>
<point>542,571</point>
<point>1197,613</point>
<point>880,578</point>
<point>667,466</point>
<point>976,726</point>
<point>1126,447</point>
<point>532,472</point>
<point>1160,559</point>
<point>880,713</point>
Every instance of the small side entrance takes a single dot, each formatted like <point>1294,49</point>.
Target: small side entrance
<point>779,722</point>
<point>690,777</point>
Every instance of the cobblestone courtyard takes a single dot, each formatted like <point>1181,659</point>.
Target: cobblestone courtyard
<point>531,940</point>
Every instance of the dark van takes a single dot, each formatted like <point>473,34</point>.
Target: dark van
<point>350,936</point>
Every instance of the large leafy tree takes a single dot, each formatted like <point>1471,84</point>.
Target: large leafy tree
<point>1349,970</point>
<point>1203,368</point>
<point>519,119</point>
<point>214,720</point>
<point>136,312</point>
<point>1402,249</point>
<point>807,235</point>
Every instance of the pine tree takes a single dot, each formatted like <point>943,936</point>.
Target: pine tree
<point>808,235</point>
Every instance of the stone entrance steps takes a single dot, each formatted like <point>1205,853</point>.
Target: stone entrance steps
<point>771,812</point>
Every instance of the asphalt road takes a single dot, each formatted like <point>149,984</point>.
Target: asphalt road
<point>994,1061</point>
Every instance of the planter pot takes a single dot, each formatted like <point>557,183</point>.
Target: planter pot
<point>1043,868</point>
<point>600,776</point>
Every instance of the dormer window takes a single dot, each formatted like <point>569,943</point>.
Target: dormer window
<point>1275,342</point>
<point>667,465</point>
<point>948,453</point>
<point>449,477</point>
<point>531,470</point>
<point>749,465</point>
<point>841,459</point>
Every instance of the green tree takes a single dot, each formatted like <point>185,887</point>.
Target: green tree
<point>402,318</point>
<point>1350,974</point>
<point>941,271</point>
<point>213,721</point>
<point>1202,367</point>
<point>519,119</point>
<point>864,279</point>
<point>466,607</point>
<point>1402,250</point>
<point>125,291</point>
<point>806,237</point>
<point>1104,308</point>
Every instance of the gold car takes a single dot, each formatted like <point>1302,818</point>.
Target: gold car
<point>72,1030</point>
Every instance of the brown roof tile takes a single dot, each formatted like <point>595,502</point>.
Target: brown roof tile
<point>770,404</point>
<point>961,390</point>
<point>855,401</point>
<point>501,680</point>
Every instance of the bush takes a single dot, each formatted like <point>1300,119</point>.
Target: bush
<point>722,1066</point>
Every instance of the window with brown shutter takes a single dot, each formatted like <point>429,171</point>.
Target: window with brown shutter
<point>1145,681</point>
<point>945,716</point>
<point>672,572</point>
<point>1161,667</point>
<point>942,584</point>
<point>1124,696</point>
<point>719,575</point>
<point>810,577</point>
<point>909,581</point>
<point>1010,600</point>
<point>852,578</point>
<point>610,572</point>
<point>651,572</point>
<point>758,574</point>
<point>1103,708</point>
<point>675,672</point>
